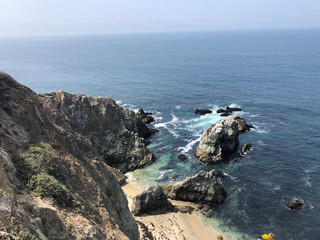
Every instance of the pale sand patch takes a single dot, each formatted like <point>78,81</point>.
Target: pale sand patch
<point>171,226</point>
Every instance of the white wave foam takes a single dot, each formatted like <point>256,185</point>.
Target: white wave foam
<point>158,118</point>
<point>170,126</point>
<point>231,177</point>
<point>178,107</point>
<point>277,187</point>
<point>162,173</point>
<point>234,105</point>
<point>306,179</point>
<point>189,146</point>
<point>128,105</point>
<point>261,127</point>
<point>119,102</point>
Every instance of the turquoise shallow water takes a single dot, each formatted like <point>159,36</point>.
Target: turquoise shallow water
<point>274,76</point>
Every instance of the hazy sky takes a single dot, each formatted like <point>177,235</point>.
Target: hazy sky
<point>68,17</point>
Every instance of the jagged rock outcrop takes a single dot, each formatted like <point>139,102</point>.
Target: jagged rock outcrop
<point>218,141</point>
<point>202,188</point>
<point>152,201</point>
<point>243,126</point>
<point>246,147</point>
<point>228,111</point>
<point>58,146</point>
<point>145,116</point>
<point>115,135</point>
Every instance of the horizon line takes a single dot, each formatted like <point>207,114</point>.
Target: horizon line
<point>154,33</point>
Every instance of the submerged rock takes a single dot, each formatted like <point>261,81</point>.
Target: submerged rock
<point>246,147</point>
<point>295,204</point>
<point>202,111</point>
<point>218,141</point>
<point>202,188</point>
<point>182,157</point>
<point>152,201</point>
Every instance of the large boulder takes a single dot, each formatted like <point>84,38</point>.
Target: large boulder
<point>218,141</point>
<point>202,188</point>
<point>152,201</point>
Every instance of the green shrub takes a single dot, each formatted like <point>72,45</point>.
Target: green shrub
<point>25,166</point>
<point>27,237</point>
<point>38,170</point>
<point>6,107</point>
<point>46,186</point>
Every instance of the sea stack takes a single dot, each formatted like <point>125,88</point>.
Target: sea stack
<point>218,141</point>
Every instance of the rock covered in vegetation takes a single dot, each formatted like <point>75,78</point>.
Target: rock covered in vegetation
<point>202,188</point>
<point>218,141</point>
<point>152,201</point>
<point>57,146</point>
<point>295,204</point>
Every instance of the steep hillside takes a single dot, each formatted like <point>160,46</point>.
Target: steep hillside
<point>55,150</point>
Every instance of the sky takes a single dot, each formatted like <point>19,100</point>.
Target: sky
<point>84,17</point>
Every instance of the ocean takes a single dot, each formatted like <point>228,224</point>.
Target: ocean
<point>273,75</point>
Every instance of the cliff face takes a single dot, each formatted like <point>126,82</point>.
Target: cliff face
<point>57,147</point>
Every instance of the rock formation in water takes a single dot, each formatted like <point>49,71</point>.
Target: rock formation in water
<point>57,150</point>
<point>202,111</point>
<point>202,188</point>
<point>243,126</point>
<point>182,157</point>
<point>145,116</point>
<point>218,141</point>
<point>245,148</point>
<point>228,111</point>
<point>295,204</point>
<point>152,201</point>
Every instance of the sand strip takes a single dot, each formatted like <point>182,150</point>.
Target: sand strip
<point>171,226</point>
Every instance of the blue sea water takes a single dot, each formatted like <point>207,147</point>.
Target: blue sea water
<point>273,75</point>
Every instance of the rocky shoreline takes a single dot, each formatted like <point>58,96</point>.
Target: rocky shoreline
<point>63,158</point>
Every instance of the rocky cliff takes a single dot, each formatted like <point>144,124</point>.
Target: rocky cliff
<point>55,158</point>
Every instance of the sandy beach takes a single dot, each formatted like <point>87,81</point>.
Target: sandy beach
<point>173,226</point>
